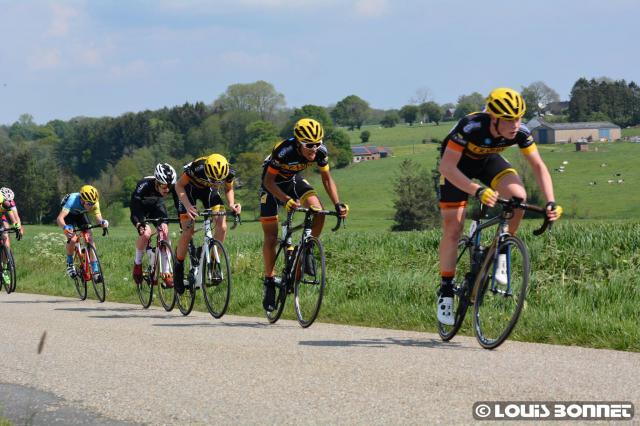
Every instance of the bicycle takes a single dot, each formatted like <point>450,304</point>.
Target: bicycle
<point>155,269</point>
<point>497,305</point>
<point>7,262</point>
<point>303,268</point>
<point>83,252</point>
<point>215,278</point>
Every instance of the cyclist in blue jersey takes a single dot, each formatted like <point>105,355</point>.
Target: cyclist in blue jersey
<point>75,207</point>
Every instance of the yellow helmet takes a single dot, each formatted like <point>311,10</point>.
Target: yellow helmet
<point>308,130</point>
<point>506,104</point>
<point>89,194</point>
<point>216,167</point>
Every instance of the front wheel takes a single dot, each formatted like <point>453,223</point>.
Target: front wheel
<point>80,265</point>
<point>500,292</point>
<point>97,278</point>
<point>216,280</point>
<point>164,275</point>
<point>8,270</point>
<point>145,288</point>
<point>461,286</point>
<point>310,281</point>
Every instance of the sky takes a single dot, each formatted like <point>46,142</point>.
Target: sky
<point>95,58</point>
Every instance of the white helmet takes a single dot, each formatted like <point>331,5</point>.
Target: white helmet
<point>165,174</point>
<point>8,194</point>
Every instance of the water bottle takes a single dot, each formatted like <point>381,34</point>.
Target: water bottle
<point>151,254</point>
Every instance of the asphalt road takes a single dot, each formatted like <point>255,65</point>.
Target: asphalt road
<point>117,364</point>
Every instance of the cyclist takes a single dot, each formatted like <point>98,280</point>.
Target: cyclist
<point>471,150</point>
<point>201,180</point>
<point>282,185</point>
<point>75,207</point>
<point>9,212</point>
<point>147,201</point>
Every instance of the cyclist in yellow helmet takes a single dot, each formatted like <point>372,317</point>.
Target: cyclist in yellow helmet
<point>471,151</point>
<point>201,180</point>
<point>75,207</point>
<point>282,186</point>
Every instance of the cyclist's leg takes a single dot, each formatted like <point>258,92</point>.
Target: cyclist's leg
<point>501,176</point>
<point>73,220</point>
<point>5,237</point>
<point>269,221</point>
<point>137,218</point>
<point>188,226</point>
<point>309,198</point>
<point>214,203</point>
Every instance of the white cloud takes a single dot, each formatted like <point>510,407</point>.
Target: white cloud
<point>371,8</point>
<point>90,56</point>
<point>130,69</point>
<point>45,59</point>
<point>62,16</point>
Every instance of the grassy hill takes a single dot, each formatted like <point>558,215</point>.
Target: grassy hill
<point>583,188</point>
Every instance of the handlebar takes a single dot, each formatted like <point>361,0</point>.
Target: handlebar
<point>236,217</point>
<point>516,203</point>
<point>307,211</point>
<point>11,230</point>
<point>105,231</point>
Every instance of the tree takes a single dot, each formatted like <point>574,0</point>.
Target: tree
<point>536,96</point>
<point>259,97</point>
<point>422,95</point>
<point>416,204</point>
<point>409,114</point>
<point>351,112</point>
<point>390,119</point>
<point>248,166</point>
<point>469,103</point>
<point>340,141</point>
<point>365,135</point>
<point>261,137</point>
<point>431,111</point>
<point>308,111</point>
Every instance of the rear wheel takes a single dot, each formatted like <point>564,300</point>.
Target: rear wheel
<point>79,280</point>
<point>8,270</point>
<point>461,287</point>
<point>281,287</point>
<point>309,282</point>
<point>145,288</point>
<point>187,299</point>
<point>164,275</point>
<point>498,305</point>
<point>216,280</point>
<point>97,278</point>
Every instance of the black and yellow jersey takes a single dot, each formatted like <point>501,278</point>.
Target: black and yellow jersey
<point>285,161</point>
<point>198,178</point>
<point>471,137</point>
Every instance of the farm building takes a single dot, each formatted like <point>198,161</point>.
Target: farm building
<point>550,133</point>
<point>367,153</point>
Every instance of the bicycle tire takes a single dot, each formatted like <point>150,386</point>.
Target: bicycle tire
<point>461,287</point>
<point>167,294</point>
<point>99,287</point>
<point>145,288</point>
<point>308,288</point>
<point>496,310</point>
<point>216,280</point>
<point>78,281</point>
<point>187,299</point>
<point>8,263</point>
<point>281,287</point>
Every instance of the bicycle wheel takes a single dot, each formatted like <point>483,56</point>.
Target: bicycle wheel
<point>310,282</point>
<point>461,287</point>
<point>498,305</point>
<point>145,288</point>
<point>8,270</point>
<point>164,265</point>
<point>187,299</point>
<point>216,280</point>
<point>78,280</point>
<point>282,283</point>
<point>97,279</point>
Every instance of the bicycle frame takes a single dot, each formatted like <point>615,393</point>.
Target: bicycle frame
<point>81,242</point>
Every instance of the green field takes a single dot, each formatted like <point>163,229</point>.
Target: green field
<point>584,287</point>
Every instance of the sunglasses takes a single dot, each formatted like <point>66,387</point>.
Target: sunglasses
<point>313,146</point>
<point>89,203</point>
<point>163,186</point>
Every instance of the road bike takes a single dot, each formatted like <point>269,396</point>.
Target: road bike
<point>7,262</point>
<point>493,278</point>
<point>83,254</point>
<point>208,269</point>
<point>303,268</point>
<point>156,270</point>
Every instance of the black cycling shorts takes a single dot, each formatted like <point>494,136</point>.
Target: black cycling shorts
<point>488,170</point>
<point>77,219</point>
<point>296,188</point>
<point>141,211</point>
<point>209,197</point>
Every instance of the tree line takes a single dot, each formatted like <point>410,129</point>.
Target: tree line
<point>43,162</point>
